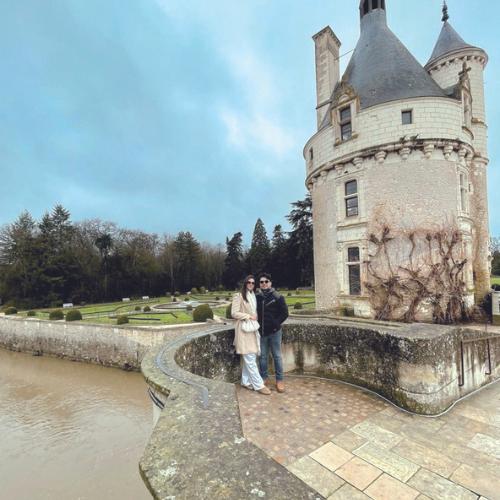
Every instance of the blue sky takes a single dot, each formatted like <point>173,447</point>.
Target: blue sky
<point>168,115</point>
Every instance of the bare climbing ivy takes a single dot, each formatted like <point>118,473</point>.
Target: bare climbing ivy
<point>414,270</point>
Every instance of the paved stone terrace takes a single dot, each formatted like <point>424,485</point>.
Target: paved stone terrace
<point>349,444</point>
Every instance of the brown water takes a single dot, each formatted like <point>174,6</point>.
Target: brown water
<point>70,430</point>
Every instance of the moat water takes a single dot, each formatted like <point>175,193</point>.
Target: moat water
<point>70,430</point>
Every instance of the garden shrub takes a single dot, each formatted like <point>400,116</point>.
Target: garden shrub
<point>73,315</point>
<point>217,297</point>
<point>202,313</point>
<point>56,315</point>
<point>122,320</point>
<point>177,294</point>
<point>202,289</point>
<point>174,299</point>
<point>289,294</point>
<point>137,308</point>
<point>10,310</point>
<point>228,298</point>
<point>189,307</point>
<point>187,299</point>
<point>298,305</point>
<point>31,313</point>
<point>147,309</point>
<point>194,290</point>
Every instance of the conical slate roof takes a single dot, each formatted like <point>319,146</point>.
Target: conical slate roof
<point>449,41</point>
<point>382,69</point>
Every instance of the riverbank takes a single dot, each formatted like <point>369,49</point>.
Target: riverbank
<point>108,345</point>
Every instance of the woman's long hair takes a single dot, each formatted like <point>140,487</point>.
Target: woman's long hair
<point>244,287</point>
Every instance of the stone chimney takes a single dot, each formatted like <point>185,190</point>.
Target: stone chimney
<point>327,47</point>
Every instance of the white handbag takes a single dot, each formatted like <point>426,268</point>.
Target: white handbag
<point>250,325</point>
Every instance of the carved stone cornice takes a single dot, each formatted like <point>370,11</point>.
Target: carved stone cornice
<point>464,154</point>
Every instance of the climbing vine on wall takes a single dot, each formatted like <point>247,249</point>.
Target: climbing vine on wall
<point>410,271</point>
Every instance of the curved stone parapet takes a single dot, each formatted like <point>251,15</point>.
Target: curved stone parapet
<point>197,449</point>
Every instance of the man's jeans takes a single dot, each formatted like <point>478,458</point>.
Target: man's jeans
<point>271,343</point>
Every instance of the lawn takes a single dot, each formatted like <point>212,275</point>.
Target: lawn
<point>495,280</point>
<point>106,313</point>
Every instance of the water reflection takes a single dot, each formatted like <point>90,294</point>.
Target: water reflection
<point>70,430</point>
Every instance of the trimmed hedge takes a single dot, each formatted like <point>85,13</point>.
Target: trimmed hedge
<point>31,313</point>
<point>56,315</point>
<point>74,315</point>
<point>10,310</point>
<point>122,320</point>
<point>228,312</point>
<point>202,313</point>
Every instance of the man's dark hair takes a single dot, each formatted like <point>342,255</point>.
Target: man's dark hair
<point>265,275</point>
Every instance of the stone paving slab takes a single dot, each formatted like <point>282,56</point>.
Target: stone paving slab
<point>331,456</point>
<point>386,488</point>
<point>389,462</point>
<point>358,473</point>
<point>438,487</point>
<point>480,481</point>
<point>376,434</point>
<point>316,476</point>
<point>426,457</point>
<point>486,444</point>
<point>454,456</point>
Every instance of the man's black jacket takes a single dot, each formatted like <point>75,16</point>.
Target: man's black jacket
<point>271,310</point>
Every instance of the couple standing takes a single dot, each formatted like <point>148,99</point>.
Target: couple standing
<point>258,330</point>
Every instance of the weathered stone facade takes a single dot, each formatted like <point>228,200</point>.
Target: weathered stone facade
<point>414,140</point>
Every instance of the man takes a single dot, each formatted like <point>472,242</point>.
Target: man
<point>272,312</point>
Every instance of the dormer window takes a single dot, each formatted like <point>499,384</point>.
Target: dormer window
<point>345,122</point>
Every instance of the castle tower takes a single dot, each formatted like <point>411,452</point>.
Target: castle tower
<point>454,64</point>
<point>397,145</point>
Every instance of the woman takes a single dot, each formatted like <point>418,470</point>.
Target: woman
<point>244,307</point>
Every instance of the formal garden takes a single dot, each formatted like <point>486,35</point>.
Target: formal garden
<point>173,309</point>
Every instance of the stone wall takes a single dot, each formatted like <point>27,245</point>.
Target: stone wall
<point>117,346</point>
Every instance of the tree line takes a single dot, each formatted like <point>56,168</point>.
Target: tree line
<point>54,260</point>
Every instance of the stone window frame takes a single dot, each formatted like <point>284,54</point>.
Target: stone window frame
<point>353,264</point>
<point>350,196</point>
<point>463,191</point>
<point>406,111</point>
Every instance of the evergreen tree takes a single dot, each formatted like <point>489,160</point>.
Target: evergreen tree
<point>278,262</point>
<point>300,242</point>
<point>260,250</point>
<point>234,267</point>
<point>104,242</point>
<point>188,255</point>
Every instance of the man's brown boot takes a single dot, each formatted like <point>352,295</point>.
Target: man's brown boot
<point>280,386</point>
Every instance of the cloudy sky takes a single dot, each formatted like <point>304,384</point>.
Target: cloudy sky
<point>168,115</point>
